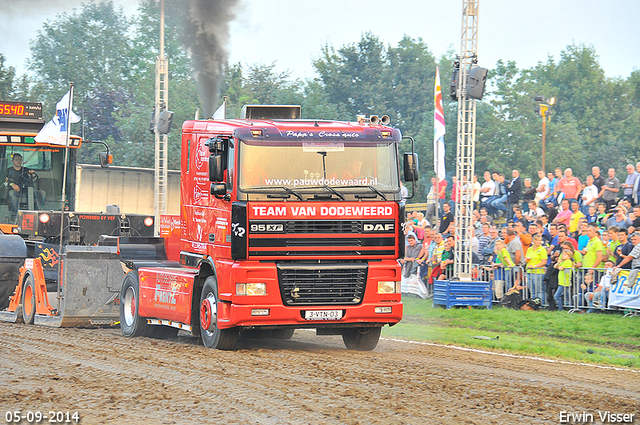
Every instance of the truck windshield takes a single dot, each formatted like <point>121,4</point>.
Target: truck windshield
<point>353,168</point>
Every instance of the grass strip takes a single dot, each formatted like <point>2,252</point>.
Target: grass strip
<point>606,339</point>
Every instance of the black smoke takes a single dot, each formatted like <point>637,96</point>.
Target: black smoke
<point>206,35</point>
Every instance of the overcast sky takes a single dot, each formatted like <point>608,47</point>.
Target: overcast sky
<point>292,32</point>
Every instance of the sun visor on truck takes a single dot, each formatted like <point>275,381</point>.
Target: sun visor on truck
<point>353,135</point>
<point>270,112</point>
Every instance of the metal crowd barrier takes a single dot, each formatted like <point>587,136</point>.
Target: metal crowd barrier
<point>503,278</point>
<point>587,279</point>
<point>580,296</point>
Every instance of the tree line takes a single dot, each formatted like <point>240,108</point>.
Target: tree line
<point>111,60</point>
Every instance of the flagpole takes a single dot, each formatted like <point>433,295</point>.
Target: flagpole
<point>437,189</point>
<point>64,180</point>
<point>438,136</point>
<point>437,164</point>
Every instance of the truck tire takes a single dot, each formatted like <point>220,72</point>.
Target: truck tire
<point>212,336</point>
<point>29,300</point>
<point>361,339</point>
<point>131,323</point>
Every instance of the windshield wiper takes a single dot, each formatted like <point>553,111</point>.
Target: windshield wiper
<point>376,191</point>
<point>332,190</point>
<point>327,188</point>
<point>373,189</point>
<point>261,189</point>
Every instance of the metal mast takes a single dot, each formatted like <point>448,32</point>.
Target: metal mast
<point>465,157</point>
<point>162,79</point>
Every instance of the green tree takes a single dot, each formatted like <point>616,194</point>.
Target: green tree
<point>353,76</point>
<point>137,145</point>
<point>7,76</point>
<point>92,48</point>
<point>592,116</point>
<point>259,84</point>
<point>367,78</point>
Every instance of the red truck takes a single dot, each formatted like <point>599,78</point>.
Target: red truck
<point>284,224</point>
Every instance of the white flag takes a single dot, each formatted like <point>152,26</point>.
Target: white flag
<point>55,131</point>
<point>63,106</point>
<point>221,112</point>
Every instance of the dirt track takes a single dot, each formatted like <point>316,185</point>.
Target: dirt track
<point>109,379</point>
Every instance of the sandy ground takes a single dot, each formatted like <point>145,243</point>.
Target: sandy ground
<point>109,379</point>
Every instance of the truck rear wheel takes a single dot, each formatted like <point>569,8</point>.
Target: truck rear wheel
<point>131,323</point>
<point>361,339</point>
<point>29,300</point>
<point>212,336</point>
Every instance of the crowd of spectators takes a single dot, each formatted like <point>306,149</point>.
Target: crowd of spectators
<point>541,239</point>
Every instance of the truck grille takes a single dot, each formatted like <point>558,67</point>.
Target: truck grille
<point>323,226</point>
<point>328,238</point>
<point>322,284</point>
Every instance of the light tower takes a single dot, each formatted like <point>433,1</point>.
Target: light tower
<point>466,141</point>
<point>161,140</point>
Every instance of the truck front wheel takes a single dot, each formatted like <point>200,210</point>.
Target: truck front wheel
<point>131,323</point>
<point>212,336</point>
<point>361,339</point>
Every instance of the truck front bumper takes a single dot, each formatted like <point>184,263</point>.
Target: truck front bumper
<point>365,314</point>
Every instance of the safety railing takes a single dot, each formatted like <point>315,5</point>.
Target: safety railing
<point>589,289</point>
<point>503,278</point>
<point>596,289</point>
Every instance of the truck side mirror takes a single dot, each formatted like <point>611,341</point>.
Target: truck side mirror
<point>218,189</point>
<point>105,159</point>
<point>216,168</point>
<point>410,167</point>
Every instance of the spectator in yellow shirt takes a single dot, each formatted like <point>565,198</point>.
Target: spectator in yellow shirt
<point>574,220</point>
<point>536,258</point>
<point>565,268</point>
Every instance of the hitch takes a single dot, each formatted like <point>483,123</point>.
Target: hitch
<point>74,229</point>
<point>124,226</point>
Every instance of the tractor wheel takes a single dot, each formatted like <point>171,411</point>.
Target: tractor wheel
<point>29,300</point>
<point>361,339</point>
<point>212,336</point>
<point>130,321</point>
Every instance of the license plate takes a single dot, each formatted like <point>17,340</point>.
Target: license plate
<point>323,315</point>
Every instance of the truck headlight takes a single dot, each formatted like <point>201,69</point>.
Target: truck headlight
<point>388,287</point>
<point>251,289</point>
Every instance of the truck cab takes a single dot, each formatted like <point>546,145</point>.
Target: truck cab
<point>47,165</point>
<point>285,224</point>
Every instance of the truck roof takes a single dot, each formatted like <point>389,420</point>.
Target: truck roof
<point>303,129</point>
